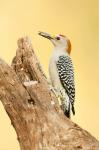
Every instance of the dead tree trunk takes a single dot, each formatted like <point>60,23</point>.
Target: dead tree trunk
<point>33,110</point>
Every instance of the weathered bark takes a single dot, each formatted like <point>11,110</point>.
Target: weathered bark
<point>33,110</point>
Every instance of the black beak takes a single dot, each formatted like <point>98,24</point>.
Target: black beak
<point>46,35</point>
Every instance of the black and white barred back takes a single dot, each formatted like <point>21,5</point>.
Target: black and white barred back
<point>66,75</point>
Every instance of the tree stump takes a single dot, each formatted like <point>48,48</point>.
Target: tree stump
<point>33,108</point>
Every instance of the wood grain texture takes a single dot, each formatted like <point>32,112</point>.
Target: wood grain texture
<point>34,111</point>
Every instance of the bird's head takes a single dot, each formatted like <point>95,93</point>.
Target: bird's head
<point>59,41</point>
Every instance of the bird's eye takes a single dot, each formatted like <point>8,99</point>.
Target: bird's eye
<point>58,38</point>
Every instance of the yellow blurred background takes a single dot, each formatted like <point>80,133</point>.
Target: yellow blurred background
<point>78,20</point>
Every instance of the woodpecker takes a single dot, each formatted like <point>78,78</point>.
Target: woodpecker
<point>61,72</point>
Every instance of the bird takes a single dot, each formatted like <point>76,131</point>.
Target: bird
<point>61,71</point>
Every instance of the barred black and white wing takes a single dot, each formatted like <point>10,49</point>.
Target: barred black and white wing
<point>66,75</point>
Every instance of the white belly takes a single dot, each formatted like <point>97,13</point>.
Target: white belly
<point>53,73</point>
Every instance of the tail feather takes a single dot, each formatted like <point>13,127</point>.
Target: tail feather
<point>67,112</point>
<point>73,110</point>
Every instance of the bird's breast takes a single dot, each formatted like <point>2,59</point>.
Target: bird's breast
<point>53,73</point>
